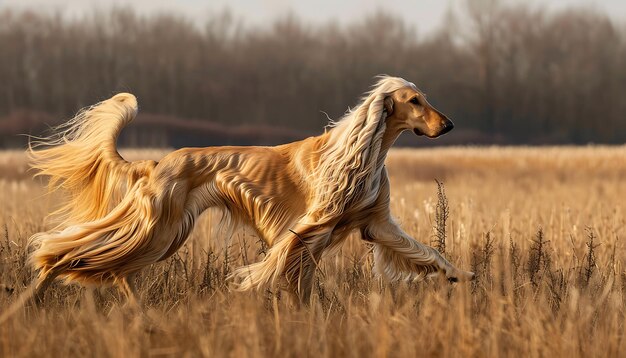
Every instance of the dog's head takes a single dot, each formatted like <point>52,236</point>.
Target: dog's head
<point>407,108</point>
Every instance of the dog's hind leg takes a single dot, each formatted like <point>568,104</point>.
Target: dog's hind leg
<point>34,292</point>
<point>43,283</point>
<point>129,289</point>
<point>135,304</point>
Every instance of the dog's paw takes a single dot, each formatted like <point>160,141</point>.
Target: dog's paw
<point>7,290</point>
<point>460,276</point>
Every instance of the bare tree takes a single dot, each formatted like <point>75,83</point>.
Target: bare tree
<point>507,73</point>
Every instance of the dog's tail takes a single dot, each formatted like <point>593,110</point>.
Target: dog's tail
<point>81,158</point>
<point>113,210</point>
<point>103,192</point>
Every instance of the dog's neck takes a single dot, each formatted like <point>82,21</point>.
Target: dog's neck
<point>392,132</point>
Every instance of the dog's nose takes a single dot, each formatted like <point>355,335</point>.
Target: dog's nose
<point>447,126</point>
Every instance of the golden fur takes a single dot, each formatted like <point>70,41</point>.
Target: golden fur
<point>302,198</point>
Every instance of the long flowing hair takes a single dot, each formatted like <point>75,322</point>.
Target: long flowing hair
<point>346,177</point>
<point>80,159</point>
<point>105,206</point>
<point>350,163</point>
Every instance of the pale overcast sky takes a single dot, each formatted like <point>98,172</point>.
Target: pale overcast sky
<point>422,14</point>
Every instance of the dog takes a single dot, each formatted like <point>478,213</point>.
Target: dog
<point>302,198</point>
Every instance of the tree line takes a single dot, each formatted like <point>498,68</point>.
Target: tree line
<point>505,74</point>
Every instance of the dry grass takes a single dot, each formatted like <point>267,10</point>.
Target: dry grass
<point>540,226</point>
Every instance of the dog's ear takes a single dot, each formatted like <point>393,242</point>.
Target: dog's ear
<point>388,105</point>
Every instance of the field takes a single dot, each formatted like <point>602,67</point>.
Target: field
<point>542,227</point>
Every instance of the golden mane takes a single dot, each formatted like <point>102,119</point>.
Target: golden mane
<point>350,163</point>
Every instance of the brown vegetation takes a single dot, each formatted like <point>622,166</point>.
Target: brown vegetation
<point>540,226</point>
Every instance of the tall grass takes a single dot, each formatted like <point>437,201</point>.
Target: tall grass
<point>541,227</point>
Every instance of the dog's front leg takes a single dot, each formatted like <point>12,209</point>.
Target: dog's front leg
<point>397,255</point>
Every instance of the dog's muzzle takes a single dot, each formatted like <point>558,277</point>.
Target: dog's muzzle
<point>443,129</point>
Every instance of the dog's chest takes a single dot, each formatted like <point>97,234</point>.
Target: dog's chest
<point>365,197</point>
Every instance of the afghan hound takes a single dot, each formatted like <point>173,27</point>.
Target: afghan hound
<point>302,198</point>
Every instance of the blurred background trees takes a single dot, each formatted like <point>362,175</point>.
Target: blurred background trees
<point>505,74</point>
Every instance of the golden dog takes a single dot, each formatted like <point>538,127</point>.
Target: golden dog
<point>302,198</point>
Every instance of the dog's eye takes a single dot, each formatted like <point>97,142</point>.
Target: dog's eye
<point>414,101</point>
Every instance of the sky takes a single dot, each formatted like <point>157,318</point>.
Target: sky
<point>424,15</point>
